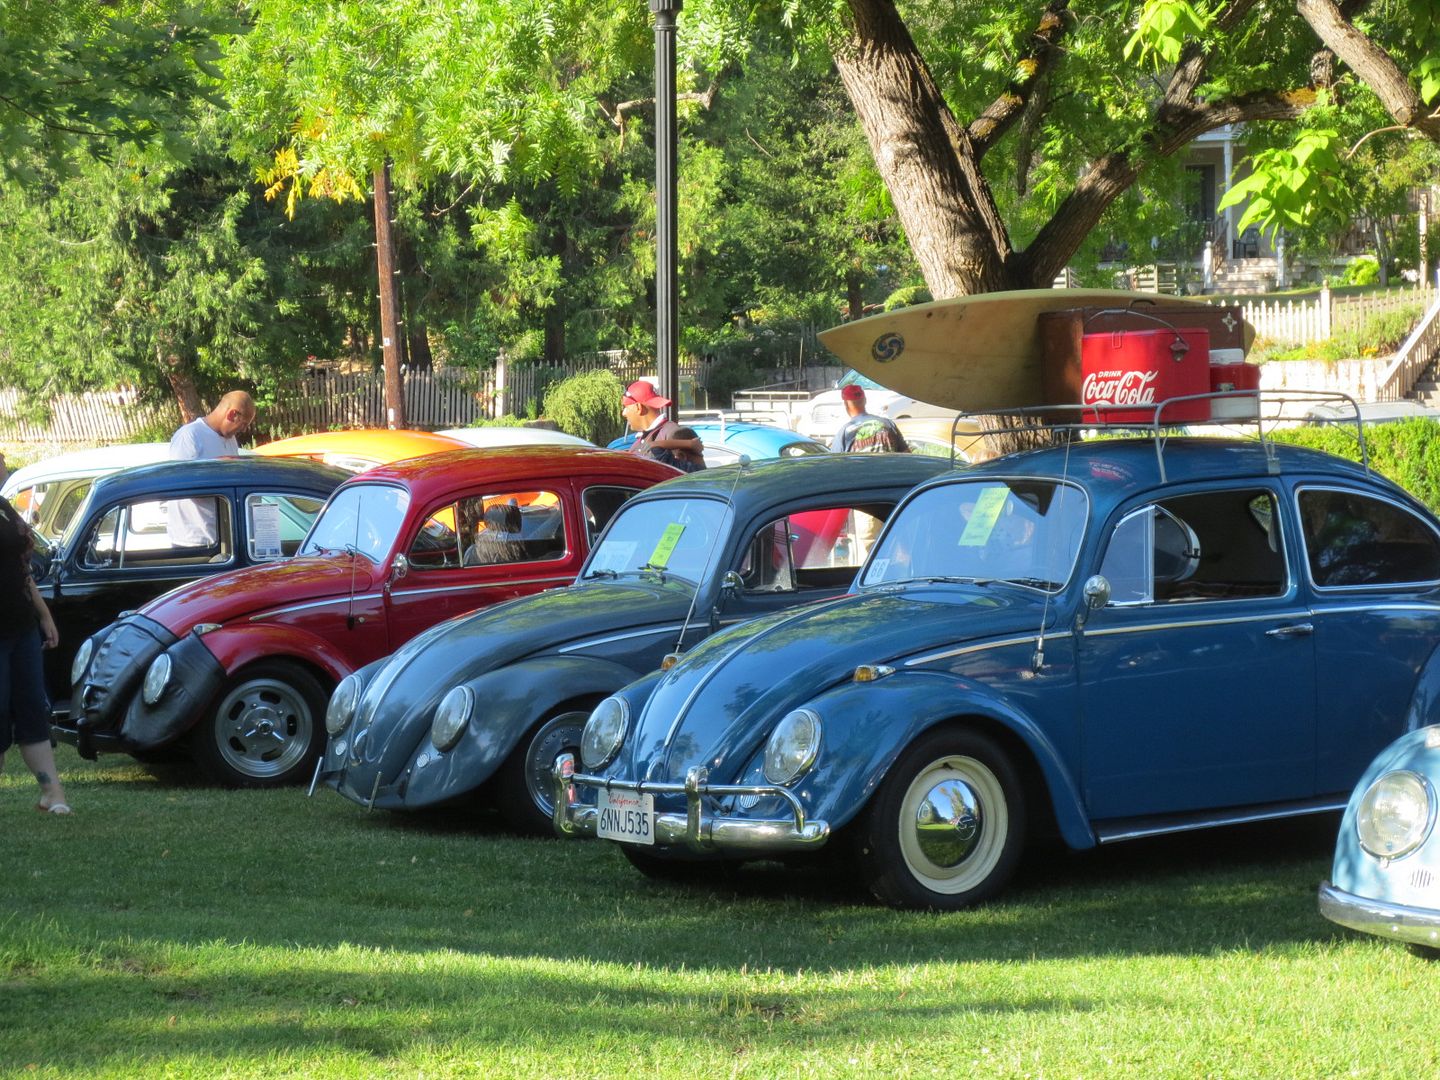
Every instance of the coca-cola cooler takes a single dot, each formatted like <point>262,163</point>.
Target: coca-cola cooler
<point>1133,357</point>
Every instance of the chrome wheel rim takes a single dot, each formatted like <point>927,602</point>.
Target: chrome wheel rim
<point>953,823</point>
<point>560,735</point>
<point>263,728</point>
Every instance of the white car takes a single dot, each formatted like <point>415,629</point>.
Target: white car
<point>489,437</point>
<point>825,415</point>
<point>49,492</point>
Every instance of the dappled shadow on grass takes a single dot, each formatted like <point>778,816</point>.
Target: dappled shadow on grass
<point>273,868</point>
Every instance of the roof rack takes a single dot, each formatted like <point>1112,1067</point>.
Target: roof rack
<point>1033,426</point>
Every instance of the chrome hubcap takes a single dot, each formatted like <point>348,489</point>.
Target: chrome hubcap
<point>948,823</point>
<point>560,736</point>
<point>263,727</point>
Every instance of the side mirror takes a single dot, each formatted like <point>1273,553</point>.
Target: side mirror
<point>399,567</point>
<point>731,582</point>
<point>1097,592</point>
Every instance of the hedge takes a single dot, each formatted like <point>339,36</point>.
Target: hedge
<point>1405,451</point>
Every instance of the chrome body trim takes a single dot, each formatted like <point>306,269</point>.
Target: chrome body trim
<point>1398,922</point>
<point>965,650</point>
<point>472,586</point>
<point>310,605</point>
<point>698,829</point>
<point>1137,831</point>
<point>627,635</point>
<point>1184,624</point>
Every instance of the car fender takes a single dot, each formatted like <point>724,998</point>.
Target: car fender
<point>509,701</point>
<point>867,726</point>
<point>236,646</point>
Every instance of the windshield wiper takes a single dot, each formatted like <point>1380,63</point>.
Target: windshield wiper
<point>1034,582</point>
<point>660,570</point>
<point>598,573</point>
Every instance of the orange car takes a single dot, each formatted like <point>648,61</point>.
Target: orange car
<point>357,451</point>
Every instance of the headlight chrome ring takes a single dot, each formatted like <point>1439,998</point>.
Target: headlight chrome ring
<point>451,716</point>
<point>343,703</point>
<point>156,679</point>
<point>81,663</point>
<point>793,747</point>
<point>604,733</point>
<point>1395,815</point>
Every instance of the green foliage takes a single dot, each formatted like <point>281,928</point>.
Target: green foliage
<point>1288,188</point>
<point>1362,270</point>
<point>724,376</point>
<point>1164,27</point>
<point>587,405</point>
<point>96,76</point>
<point>1405,451</point>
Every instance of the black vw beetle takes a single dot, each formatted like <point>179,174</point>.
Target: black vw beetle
<point>491,700</point>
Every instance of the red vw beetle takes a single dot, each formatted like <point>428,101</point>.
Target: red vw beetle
<point>240,665</point>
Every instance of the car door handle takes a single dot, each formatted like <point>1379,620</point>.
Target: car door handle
<point>1303,629</point>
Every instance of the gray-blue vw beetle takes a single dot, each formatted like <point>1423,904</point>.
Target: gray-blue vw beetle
<point>490,700</point>
<point>1387,857</point>
<point>1105,640</point>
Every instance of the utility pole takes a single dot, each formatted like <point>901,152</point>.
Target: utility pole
<point>667,337</point>
<point>389,301</point>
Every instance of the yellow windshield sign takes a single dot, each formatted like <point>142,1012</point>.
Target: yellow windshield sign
<point>983,517</point>
<point>666,547</point>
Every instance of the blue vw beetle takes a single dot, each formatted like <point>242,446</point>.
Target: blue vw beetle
<point>727,441</point>
<point>1105,640</point>
<point>1387,859</point>
<point>490,700</point>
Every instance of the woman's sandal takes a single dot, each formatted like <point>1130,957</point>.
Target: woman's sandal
<point>54,808</point>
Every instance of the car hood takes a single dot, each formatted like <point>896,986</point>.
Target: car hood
<point>220,598</point>
<point>717,707</point>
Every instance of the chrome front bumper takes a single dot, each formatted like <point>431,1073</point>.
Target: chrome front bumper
<point>1416,926</point>
<point>699,828</point>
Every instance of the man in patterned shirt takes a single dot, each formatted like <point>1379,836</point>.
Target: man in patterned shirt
<point>863,433</point>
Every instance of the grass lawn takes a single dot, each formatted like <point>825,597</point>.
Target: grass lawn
<point>174,930</point>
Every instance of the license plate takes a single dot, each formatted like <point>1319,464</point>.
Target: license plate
<point>626,816</point>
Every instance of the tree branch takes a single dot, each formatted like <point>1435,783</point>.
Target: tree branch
<point>1041,57</point>
<point>1375,67</point>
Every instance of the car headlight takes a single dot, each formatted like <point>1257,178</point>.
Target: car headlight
<point>604,733</point>
<point>343,703</point>
<point>792,746</point>
<point>1395,815</point>
<point>82,660</point>
<point>156,679</point>
<point>451,716</point>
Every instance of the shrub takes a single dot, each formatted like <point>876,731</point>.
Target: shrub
<point>1405,451</point>
<point>1361,270</point>
<point>587,405</point>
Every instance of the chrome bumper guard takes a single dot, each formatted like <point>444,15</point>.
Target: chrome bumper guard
<point>1416,926</point>
<point>698,828</point>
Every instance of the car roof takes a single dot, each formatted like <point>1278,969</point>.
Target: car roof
<point>503,435</point>
<point>433,474</point>
<point>709,432</point>
<point>377,444</point>
<point>1123,466</point>
<point>80,463</point>
<point>782,480</point>
<point>167,477</point>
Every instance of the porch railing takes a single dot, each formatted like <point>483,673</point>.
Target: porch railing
<point>1412,359</point>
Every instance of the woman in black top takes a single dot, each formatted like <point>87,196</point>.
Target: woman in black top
<point>25,627</point>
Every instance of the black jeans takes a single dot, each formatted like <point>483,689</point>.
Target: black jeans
<point>24,706</point>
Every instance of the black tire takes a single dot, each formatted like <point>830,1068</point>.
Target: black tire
<point>526,795</point>
<point>946,829</point>
<point>265,728</point>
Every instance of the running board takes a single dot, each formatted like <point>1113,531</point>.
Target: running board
<point>1117,829</point>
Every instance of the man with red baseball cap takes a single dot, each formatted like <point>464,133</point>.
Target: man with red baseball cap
<point>658,437</point>
<point>864,433</point>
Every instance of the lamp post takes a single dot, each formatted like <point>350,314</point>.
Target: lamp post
<point>666,246</point>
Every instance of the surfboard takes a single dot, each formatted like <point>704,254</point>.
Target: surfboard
<point>972,353</point>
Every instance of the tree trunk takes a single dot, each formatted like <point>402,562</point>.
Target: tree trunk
<point>941,198</point>
<point>182,384</point>
<point>417,342</point>
<point>854,298</point>
<point>389,302</point>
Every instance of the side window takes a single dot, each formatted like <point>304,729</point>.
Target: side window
<point>151,533</point>
<point>600,504</point>
<point>511,527</point>
<point>1357,540</point>
<point>811,549</point>
<point>1219,545</point>
<point>275,524</point>
<point>437,545</point>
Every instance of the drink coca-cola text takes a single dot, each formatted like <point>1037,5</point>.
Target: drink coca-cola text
<point>1118,388</point>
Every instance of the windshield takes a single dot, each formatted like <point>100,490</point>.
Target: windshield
<point>365,518</point>
<point>854,378</point>
<point>1025,531</point>
<point>672,536</point>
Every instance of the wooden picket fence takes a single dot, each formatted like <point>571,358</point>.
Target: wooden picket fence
<point>1299,322</point>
